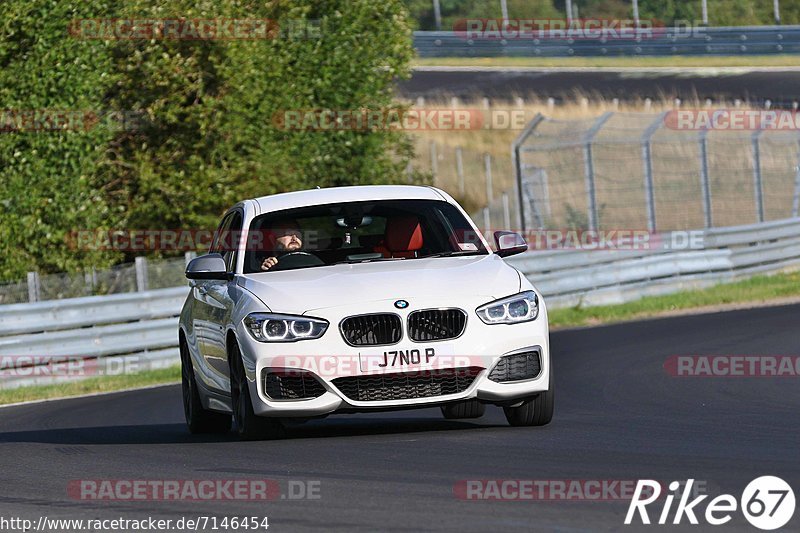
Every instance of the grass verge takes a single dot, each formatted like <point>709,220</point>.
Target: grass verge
<point>629,62</point>
<point>92,385</point>
<point>758,289</point>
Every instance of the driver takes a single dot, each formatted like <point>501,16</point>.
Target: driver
<point>287,239</point>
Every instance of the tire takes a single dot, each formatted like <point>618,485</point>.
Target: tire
<point>465,409</point>
<point>537,411</point>
<point>249,426</point>
<point>198,418</point>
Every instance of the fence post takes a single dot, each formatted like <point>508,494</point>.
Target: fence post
<point>142,282</point>
<point>460,171</point>
<point>648,186</point>
<point>34,287</point>
<point>545,181</point>
<point>647,159</point>
<point>88,283</point>
<point>757,182</point>
<point>589,185</point>
<point>705,184</point>
<point>506,213</point>
<point>434,162</point>
<point>516,158</point>
<point>487,166</point>
<point>588,167</point>
<point>796,200</point>
<point>487,219</point>
<point>529,192</point>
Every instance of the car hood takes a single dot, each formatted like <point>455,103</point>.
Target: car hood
<point>303,290</point>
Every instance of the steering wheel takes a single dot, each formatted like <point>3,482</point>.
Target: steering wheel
<point>297,260</point>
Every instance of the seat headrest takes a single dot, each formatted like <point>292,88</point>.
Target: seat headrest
<point>403,234</point>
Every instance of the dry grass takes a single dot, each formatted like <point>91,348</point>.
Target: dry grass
<point>96,385</point>
<point>619,169</point>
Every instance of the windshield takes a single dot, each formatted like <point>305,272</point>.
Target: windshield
<point>382,230</point>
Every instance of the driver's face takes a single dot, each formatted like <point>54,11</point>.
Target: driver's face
<point>289,240</point>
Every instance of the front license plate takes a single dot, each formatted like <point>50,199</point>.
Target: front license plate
<point>400,359</point>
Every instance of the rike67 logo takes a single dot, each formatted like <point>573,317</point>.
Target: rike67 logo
<point>767,503</point>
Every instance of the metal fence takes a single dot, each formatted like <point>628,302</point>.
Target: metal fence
<point>436,16</point>
<point>139,276</point>
<point>630,170</point>
<point>745,40</point>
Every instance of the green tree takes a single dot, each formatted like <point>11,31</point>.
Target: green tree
<point>206,135</point>
<point>48,184</point>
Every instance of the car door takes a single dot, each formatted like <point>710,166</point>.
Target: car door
<point>219,299</point>
<point>205,313</point>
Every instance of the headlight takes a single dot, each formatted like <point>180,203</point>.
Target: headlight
<point>522,307</point>
<point>269,327</point>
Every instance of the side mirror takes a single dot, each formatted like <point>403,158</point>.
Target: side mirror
<point>509,243</point>
<point>210,266</point>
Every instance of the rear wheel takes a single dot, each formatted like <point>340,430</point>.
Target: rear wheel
<point>537,411</point>
<point>249,426</point>
<point>198,418</point>
<point>466,409</point>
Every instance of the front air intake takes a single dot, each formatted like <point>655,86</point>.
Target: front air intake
<point>292,385</point>
<point>517,367</point>
<point>407,385</point>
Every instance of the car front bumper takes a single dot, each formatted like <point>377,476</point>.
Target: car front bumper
<point>329,358</point>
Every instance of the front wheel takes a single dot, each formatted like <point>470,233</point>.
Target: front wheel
<point>198,418</point>
<point>249,426</point>
<point>537,411</point>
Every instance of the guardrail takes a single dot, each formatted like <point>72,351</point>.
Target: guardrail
<point>744,40</point>
<point>118,330</point>
<point>580,277</point>
<point>88,336</point>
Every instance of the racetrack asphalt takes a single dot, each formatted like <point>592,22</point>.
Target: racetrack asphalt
<point>619,416</point>
<point>780,86</point>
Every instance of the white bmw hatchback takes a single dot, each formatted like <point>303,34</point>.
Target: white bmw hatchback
<point>359,299</point>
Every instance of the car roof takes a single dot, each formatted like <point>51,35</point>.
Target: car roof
<point>357,193</point>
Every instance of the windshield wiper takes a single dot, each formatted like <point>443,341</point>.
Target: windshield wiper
<point>367,260</point>
<point>455,253</point>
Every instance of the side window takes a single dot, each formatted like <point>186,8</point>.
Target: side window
<point>233,238</point>
<point>219,236</point>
